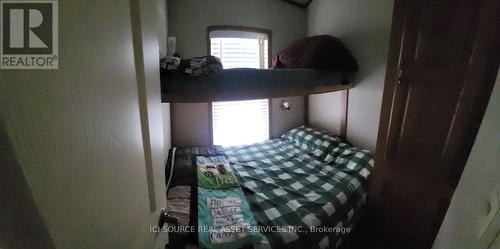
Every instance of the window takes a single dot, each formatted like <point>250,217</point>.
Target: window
<point>240,122</point>
<point>239,47</point>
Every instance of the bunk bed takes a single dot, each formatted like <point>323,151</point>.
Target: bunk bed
<point>245,83</point>
<point>306,178</point>
<point>312,65</point>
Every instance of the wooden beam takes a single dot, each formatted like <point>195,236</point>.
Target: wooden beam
<point>172,124</point>
<point>344,106</point>
<point>247,94</point>
<point>210,124</point>
<point>306,110</point>
<point>270,117</point>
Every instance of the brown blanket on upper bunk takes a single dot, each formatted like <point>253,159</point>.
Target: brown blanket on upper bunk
<point>322,52</point>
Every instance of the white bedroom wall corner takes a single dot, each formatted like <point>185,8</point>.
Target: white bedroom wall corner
<point>76,132</point>
<point>161,6</point>
<point>469,205</point>
<point>21,224</point>
<point>189,20</point>
<point>325,111</point>
<point>364,27</point>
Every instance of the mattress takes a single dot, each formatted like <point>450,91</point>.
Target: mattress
<point>297,199</point>
<point>287,186</point>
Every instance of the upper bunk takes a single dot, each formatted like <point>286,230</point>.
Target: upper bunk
<point>312,65</point>
<point>246,83</point>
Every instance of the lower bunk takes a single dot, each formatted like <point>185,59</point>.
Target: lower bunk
<point>304,190</point>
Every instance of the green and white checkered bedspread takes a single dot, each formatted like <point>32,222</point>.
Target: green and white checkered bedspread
<point>288,187</point>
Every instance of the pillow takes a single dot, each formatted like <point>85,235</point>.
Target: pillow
<point>320,143</point>
<point>333,150</point>
<point>322,52</point>
<point>352,160</point>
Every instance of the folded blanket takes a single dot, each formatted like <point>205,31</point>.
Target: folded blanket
<point>224,216</point>
<point>178,203</point>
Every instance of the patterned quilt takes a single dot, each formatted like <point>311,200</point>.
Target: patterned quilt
<point>299,200</point>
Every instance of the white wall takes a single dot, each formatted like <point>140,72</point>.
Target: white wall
<point>161,6</point>
<point>191,121</point>
<point>364,27</point>
<point>282,121</point>
<point>189,19</point>
<point>325,111</point>
<point>481,175</point>
<point>21,225</point>
<point>77,133</point>
<point>190,124</point>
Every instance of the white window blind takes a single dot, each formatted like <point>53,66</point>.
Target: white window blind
<point>240,122</point>
<point>240,49</point>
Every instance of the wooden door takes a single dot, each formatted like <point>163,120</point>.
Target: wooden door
<point>442,64</point>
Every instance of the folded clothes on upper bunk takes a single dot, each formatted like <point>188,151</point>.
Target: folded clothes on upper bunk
<point>198,66</point>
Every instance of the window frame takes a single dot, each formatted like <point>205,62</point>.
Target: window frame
<point>268,32</point>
